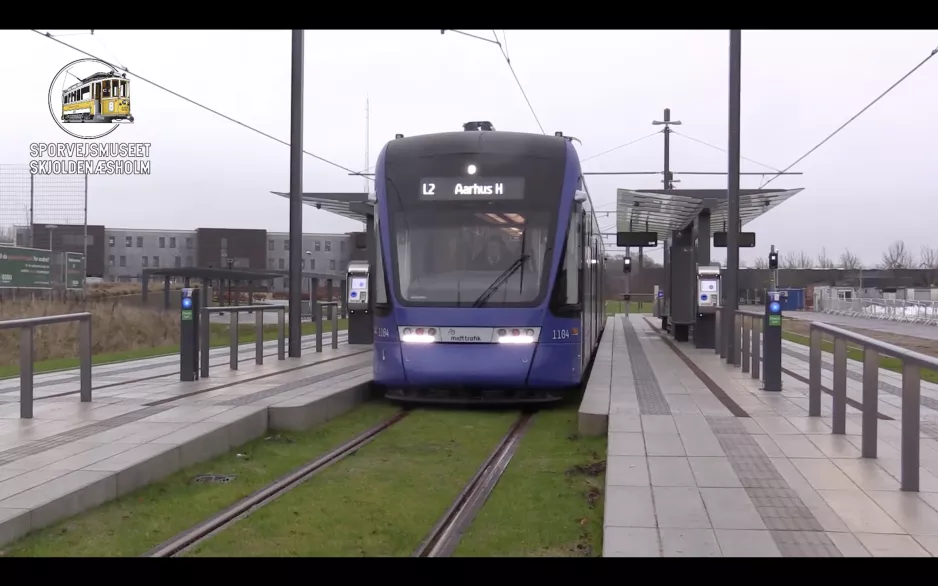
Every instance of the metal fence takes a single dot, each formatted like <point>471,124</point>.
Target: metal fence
<point>910,421</point>
<point>899,310</point>
<point>27,199</point>
<point>234,331</point>
<point>258,311</point>
<point>26,326</point>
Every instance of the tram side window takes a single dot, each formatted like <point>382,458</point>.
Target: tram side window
<point>571,262</point>
<point>106,90</point>
<point>381,290</point>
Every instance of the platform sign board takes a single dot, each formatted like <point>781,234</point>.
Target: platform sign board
<point>74,270</point>
<point>25,268</point>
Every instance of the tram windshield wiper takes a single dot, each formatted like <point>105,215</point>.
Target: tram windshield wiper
<point>501,279</point>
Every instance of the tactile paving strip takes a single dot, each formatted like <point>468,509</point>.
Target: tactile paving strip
<point>796,531</point>
<point>651,400</point>
<point>60,439</point>
<point>297,384</point>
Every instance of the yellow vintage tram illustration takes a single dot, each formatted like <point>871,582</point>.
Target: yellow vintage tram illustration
<point>101,97</point>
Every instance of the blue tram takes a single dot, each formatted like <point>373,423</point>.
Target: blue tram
<point>489,276</point>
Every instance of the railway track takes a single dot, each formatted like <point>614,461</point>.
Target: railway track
<point>446,534</point>
<point>246,353</point>
<point>245,507</point>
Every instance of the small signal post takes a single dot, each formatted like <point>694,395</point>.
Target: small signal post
<point>772,343</point>
<point>189,335</point>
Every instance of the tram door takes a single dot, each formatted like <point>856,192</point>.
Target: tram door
<point>97,99</point>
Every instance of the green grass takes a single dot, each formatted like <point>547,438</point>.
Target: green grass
<point>219,338</point>
<point>853,353</point>
<point>613,307</point>
<point>382,501</point>
<point>139,521</point>
<point>549,502</point>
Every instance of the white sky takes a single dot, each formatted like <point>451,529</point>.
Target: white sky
<point>875,182</point>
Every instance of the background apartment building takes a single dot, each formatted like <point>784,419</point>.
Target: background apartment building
<point>128,251</point>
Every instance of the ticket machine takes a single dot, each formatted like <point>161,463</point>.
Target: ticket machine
<point>360,330</point>
<point>708,289</point>
<point>708,300</point>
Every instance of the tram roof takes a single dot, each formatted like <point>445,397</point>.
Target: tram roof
<point>667,210</point>
<point>348,204</point>
<point>97,76</point>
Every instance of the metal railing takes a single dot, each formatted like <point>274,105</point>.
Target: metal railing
<point>334,315</point>
<point>748,341</point>
<point>900,310</point>
<point>205,333</point>
<point>910,421</point>
<point>26,326</point>
<point>747,332</point>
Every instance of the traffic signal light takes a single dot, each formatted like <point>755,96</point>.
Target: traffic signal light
<point>773,260</point>
<point>627,265</point>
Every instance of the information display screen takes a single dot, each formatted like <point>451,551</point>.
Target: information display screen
<point>359,283</point>
<point>471,188</point>
<point>708,286</point>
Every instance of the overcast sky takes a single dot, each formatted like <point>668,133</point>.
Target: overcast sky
<point>873,183</point>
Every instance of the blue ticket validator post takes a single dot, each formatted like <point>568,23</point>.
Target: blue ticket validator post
<point>772,343</point>
<point>189,335</point>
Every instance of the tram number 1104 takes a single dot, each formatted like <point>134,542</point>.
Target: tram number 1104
<point>561,334</point>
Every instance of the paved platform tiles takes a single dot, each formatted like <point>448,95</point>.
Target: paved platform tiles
<point>685,477</point>
<point>74,456</point>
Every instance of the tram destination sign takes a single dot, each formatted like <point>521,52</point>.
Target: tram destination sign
<point>471,188</point>
<point>25,268</point>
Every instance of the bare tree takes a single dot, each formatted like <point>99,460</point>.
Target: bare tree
<point>805,261</point>
<point>824,261</point>
<point>929,257</point>
<point>850,261</point>
<point>761,263</point>
<point>647,261</point>
<point>790,261</point>
<point>897,256</point>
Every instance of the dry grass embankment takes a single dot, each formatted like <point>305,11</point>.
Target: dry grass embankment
<point>116,328</point>
<point>104,290</point>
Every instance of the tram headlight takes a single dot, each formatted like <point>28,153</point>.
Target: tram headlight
<point>517,335</point>
<point>419,335</point>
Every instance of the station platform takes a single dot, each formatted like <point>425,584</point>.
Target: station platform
<point>701,462</point>
<point>143,424</point>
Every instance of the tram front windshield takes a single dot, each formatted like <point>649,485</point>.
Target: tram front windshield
<point>451,257</point>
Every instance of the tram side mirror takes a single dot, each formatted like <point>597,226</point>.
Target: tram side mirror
<point>357,279</point>
<point>580,196</point>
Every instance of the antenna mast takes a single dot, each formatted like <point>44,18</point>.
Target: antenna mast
<point>367,139</point>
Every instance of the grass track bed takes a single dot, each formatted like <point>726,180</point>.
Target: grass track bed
<point>549,501</point>
<point>139,521</point>
<point>380,501</point>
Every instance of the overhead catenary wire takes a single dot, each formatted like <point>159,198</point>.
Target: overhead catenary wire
<point>193,102</point>
<point>713,146</point>
<point>504,53</point>
<point>854,117</point>
<point>518,81</point>
<point>621,146</point>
